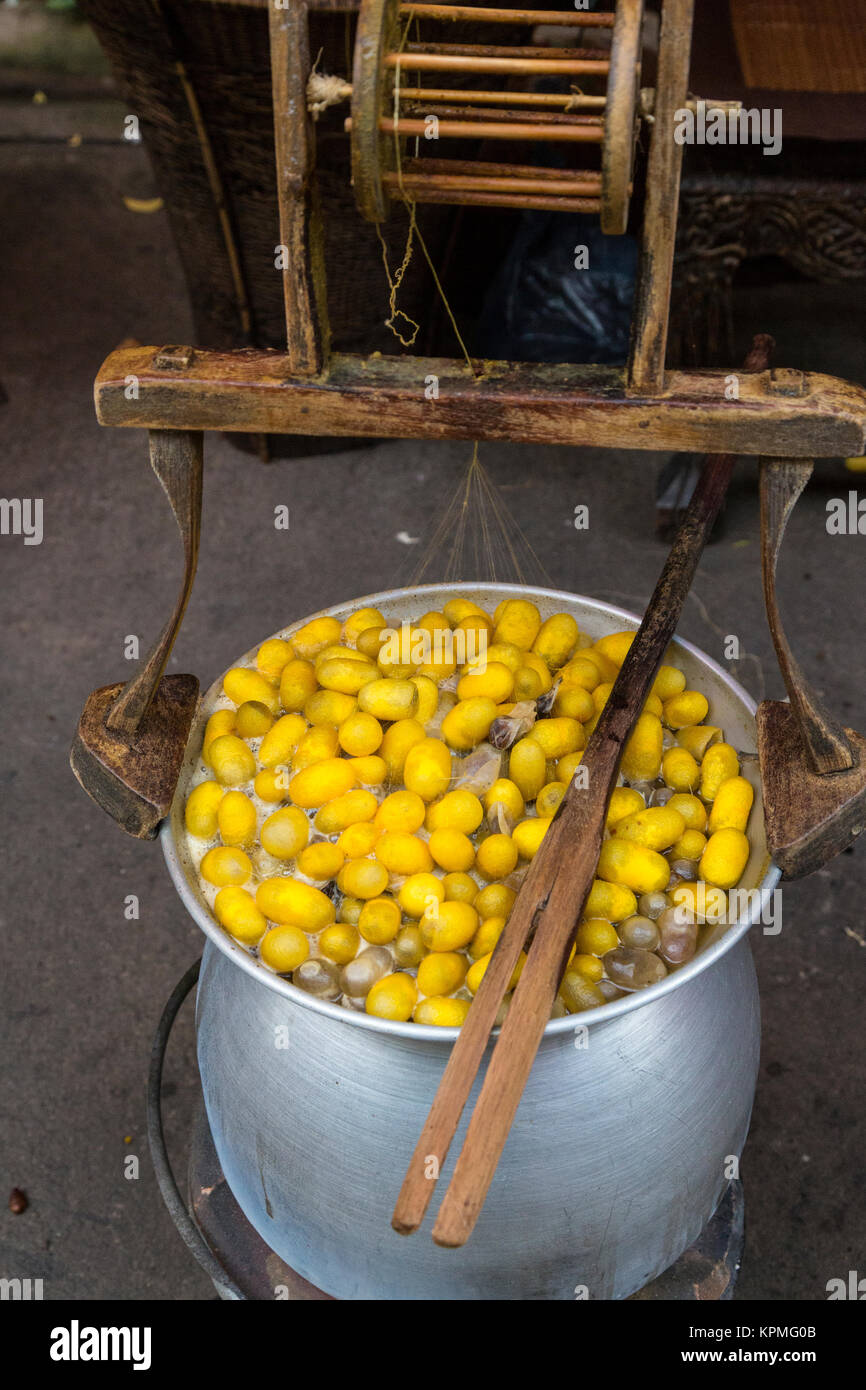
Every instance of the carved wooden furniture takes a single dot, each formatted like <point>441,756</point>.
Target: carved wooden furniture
<point>813,219</point>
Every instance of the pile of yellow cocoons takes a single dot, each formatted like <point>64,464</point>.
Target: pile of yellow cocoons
<point>370,795</point>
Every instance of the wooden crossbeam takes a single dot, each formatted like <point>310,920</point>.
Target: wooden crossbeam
<point>782,413</point>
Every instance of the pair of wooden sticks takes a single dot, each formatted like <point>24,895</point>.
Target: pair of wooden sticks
<point>551,903</point>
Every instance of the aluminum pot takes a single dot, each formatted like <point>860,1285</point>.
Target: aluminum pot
<point>623,1142</point>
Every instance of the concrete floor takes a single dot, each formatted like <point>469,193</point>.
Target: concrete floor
<point>83,986</point>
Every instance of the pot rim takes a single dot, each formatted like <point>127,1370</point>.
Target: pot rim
<point>423,1032</point>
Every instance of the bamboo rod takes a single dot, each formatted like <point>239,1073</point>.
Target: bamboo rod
<point>496,50</point>
<point>491,170</point>
<point>532,201</point>
<point>489,130</point>
<point>568,100</point>
<point>483,15</point>
<point>558,119</point>
<point>470,183</point>
<point>446,62</point>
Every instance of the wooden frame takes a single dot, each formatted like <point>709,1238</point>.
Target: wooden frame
<point>792,414</point>
<point>305,391</point>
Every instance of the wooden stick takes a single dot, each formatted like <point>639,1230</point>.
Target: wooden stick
<point>472,167</point>
<point>466,1056</point>
<point>651,312</point>
<point>491,130</point>
<point>444,62</point>
<point>300,231</point>
<point>484,15</point>
<point>470,183</point>
<point>499,50</point>
<point>572,101</point>
<point>536,202</point>
<point>421,110</point>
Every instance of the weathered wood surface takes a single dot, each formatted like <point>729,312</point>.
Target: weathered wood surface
<point>655,265</point>
<point>827,748</point>
<point>818,417</point>
<point>131,738</point>
<point>809,817</point>
<point>134,779</point>
<point>177,461</point>
<point>304,291</point>
<point>378,28</point>
<point>620,121</point>
<point>813,772</point>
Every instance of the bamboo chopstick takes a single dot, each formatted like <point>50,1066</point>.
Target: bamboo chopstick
<point>466,1055</point>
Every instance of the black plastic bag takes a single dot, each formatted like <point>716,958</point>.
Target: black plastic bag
<point>562,294</point>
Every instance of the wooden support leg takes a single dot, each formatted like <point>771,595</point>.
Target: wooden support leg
<point>813,771</point>
<point>176,457</point>
<point>131,739</point>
